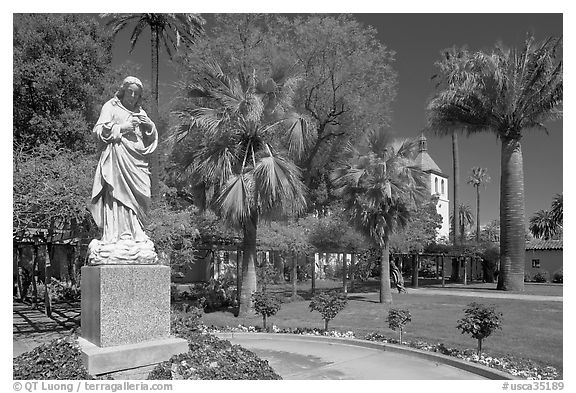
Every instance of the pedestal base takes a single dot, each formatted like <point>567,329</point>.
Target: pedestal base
<point>125,304</point>
<point>100,360</point>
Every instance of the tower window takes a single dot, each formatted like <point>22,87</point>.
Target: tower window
<point>442,187</point>
<point>436,185</point>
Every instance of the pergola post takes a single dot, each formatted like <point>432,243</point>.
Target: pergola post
<point>415,266</point>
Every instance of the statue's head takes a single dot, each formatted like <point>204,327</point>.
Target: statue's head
<point>130,93</point>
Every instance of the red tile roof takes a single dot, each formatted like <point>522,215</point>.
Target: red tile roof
<point>539,244</point>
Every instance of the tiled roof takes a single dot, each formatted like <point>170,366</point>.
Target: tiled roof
<point>539,244</point>
<point>426,163</point>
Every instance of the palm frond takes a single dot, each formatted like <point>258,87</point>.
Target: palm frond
<point>279,185</point>
<point>236,201</point>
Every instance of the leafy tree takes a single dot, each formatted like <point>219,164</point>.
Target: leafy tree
<point>349,85</point>
<point>398,318</point>
<point>480,321</point>
<point>421,229</point>
<point>58,82</point>
<point>238,161</point>
<point>174,233</point>
<point>478,177</point>
<point>328,304</point>
<point>51,189</point>
<point>378,184</point>
<point>169,30</point>
<point>266,305</point>
<point>505,92</point>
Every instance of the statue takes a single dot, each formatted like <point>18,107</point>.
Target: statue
<point>121,191</point>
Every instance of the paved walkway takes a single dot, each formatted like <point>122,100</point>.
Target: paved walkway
<point>463,291</point>
<point>299,358</point>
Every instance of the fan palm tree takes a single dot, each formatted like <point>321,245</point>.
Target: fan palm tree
<point>245,134</point>
<point>505,92</point>
<point>169,30</point>
<point>378,183</point>
<point>478,177</point>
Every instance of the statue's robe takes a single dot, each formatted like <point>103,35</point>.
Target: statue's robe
<point>121,191</point>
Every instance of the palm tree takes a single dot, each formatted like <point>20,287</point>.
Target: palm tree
<point>239,127</point>
<point>478,177</point>
<point>451,75</point>
<point>548,223</point>
<point>465,219</point>
<point>505,92</point>
<point>378,182</point>
<point>542,225</point>
<point>558,210</point>
<point>170,30</point>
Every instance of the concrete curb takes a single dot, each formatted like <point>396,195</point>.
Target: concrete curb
<point>474,368</point>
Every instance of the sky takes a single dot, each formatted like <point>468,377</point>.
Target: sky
<point>417,40</point>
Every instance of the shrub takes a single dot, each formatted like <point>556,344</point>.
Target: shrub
<point>63,291</point>
<point>480,321</point>
<point>328,304</point>
<point>58,359</point>
<point>398,318</point>
<point>266,305</point>
<point>211,296</point>
<point>185,321</point>
<point>558,277</point>
<point>427,269</point>
<point>211,358</point>
<point>540,277</point>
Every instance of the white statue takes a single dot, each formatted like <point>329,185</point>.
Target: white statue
<point>121,191</point>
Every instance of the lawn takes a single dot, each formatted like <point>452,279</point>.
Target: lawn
<point>531,329</point>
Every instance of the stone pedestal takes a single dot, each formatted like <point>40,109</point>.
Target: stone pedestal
<point>125,317</point>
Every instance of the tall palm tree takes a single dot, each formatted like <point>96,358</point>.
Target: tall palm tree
<point>478,177</point>
<point>378,182</point>
<point>505,92</point>
<point>245,134</point>
<point>169,30</point>
<point>451,75</point>
<point>455,183</point>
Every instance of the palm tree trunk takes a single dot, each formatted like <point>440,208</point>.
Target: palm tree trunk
<point>385,292</point>
<point>294,275</point>
<point>512,220</point>
<point>154,157</point>
<point>456,169</point>
<point>478,213</point>
<point>248,285</point>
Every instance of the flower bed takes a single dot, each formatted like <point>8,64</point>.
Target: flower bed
<point>519,367</point>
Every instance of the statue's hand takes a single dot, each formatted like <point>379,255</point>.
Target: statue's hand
<point>130,125</point>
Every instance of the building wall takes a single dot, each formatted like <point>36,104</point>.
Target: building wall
<point>551,261</point>
<point>439,185</point>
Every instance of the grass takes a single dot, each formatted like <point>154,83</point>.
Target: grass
<point>531,329</point>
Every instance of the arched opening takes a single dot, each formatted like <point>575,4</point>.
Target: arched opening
<point>436,185</point>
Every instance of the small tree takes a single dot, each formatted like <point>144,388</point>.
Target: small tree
<point>329,304</point>
<point>398,318</point>
<point>266,305</point>
<point>480,321</point>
